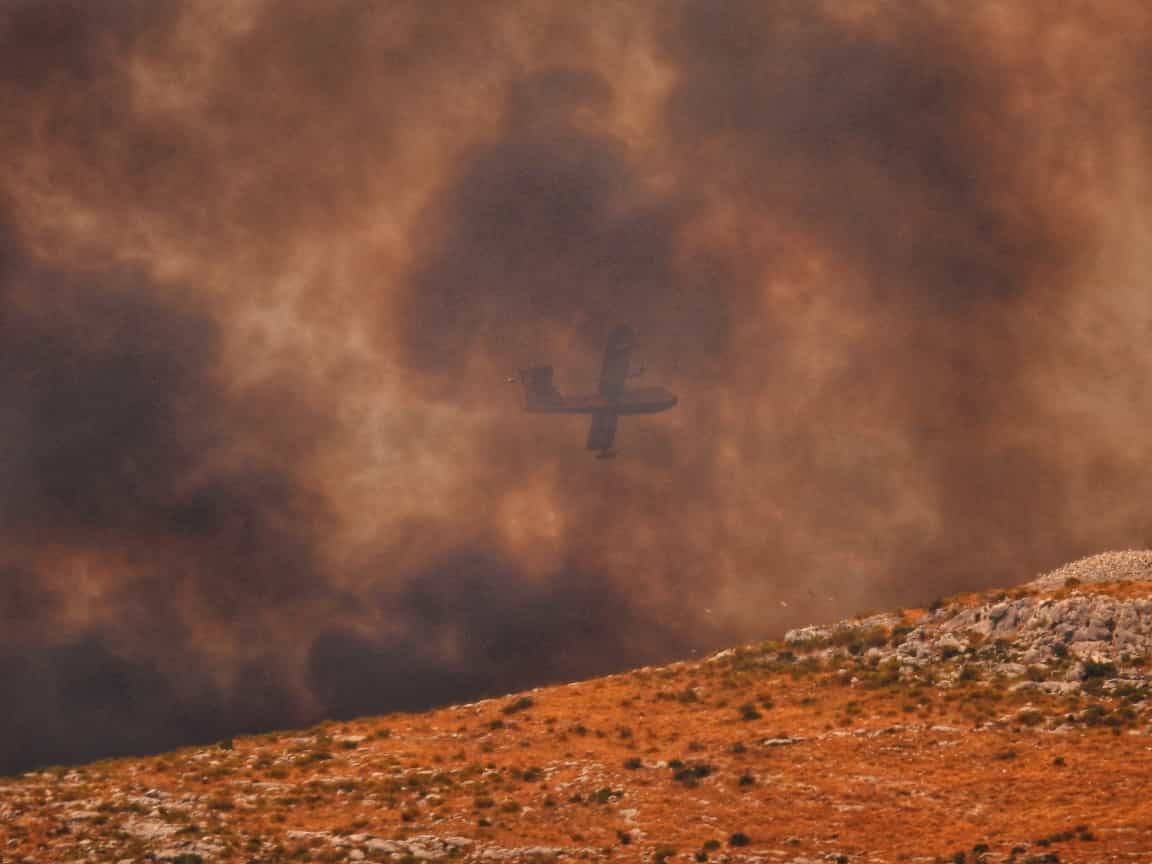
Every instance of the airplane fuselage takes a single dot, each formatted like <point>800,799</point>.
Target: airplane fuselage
<point>611,401</point>
<point>643,400</point>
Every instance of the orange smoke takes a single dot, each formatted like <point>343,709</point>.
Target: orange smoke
<point>264,269</point>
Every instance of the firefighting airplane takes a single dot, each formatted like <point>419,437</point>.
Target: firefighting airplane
<point>609,402</point>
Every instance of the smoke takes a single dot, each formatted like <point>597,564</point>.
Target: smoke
<point>264,269</point>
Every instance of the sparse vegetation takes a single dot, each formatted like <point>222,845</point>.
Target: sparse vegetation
<point>497,762</point>
<point>521,704</point>
<point>748,712</point>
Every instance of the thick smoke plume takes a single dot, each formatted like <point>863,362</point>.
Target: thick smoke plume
<point>264,267</point>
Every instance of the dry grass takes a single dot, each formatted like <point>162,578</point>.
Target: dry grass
<point>754,755</point>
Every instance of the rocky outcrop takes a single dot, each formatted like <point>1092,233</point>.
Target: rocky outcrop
<point>1124,566</point>
<point>1057,641</point>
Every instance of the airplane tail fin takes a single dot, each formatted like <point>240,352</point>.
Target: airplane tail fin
<point>539,389</point>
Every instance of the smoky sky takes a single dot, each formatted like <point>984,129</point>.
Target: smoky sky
<point>265,267</point>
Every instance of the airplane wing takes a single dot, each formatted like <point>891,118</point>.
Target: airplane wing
<point>617,357</point>
<point>602,432</point>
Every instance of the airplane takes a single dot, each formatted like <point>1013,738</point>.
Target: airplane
<point>610,401</point>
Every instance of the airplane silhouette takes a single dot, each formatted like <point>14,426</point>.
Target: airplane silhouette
<point>609,402</point>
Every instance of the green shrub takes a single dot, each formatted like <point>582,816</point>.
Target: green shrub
<point>521,704</point>
<point>1094,669</point>
<point>748,712</point>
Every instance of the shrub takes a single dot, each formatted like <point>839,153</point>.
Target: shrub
<point>739,839</point>
<point>1094,669</point>
<point>604,795</point>
<point>690,775</point>
<point>521,704</point>
<point>748,712</point>
<point>899,634</point>
<point>1030,717</point>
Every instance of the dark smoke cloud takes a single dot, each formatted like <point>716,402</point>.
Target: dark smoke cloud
<point>877,146</point>
<point>476,624</point>
<point>552,226</point>
<point>263,270</point>
<point>42,42</point>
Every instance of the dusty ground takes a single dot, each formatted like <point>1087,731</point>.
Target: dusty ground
<point>759,754</point>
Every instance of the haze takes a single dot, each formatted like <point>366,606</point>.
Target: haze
<point>265,266</point>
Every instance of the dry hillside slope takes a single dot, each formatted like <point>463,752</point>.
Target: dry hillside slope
<point>1004,726</point>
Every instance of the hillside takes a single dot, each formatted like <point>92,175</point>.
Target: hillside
<point>1002,726</point>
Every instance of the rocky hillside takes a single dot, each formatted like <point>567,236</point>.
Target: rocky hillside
<point>1009,726</point>
<point>1063,632</point>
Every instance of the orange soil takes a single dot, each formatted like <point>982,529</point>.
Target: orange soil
<point>887,774</point>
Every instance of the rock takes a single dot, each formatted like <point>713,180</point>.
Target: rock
<point>1128,565</point>
<point>384,847</point>
<point>1037,655</point>
<point>149,830</point>
<point>1089,649</point>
